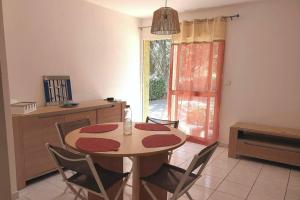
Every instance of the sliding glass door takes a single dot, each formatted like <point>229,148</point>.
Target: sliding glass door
<point>156,70</point>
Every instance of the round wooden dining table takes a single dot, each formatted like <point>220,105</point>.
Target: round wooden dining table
<point>145,160</point>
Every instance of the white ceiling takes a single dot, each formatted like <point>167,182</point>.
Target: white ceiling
<point>145,8</point>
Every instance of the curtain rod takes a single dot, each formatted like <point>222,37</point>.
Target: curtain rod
<point>231,17</point>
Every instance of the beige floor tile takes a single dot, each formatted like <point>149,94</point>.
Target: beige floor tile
<point>216,171</point>
<point>255,196</point>
<point>183,155</point>
<point>188,150</point>
<point>185,164</point>
<point>177,161</point>
<point>248,164</point>
<point>42,190</point>
<point>182,149</point>
<point>127,193</point>
<point>129,182</point>
<point>23,198</point>
<point>295,172</point>
<point>235,189</point>
<point>191,151</point>
<point>274,169</point>
<point>217,195</point>
<point>200,193</point>
<point>221,149</point>
<point>271,184</point>
<point>183,197</point>
<point>213,158</point>
<point>56,180</point>
<point>294,181</point>
<point>194,145</point>
<point>242,177</point>
<point>268,189</point>
<point>293,193</point>
<point>244,173</point>
<point>192,148</point>
<point>227,163</point>
<point>211,182</point>
<point>66,196</point>
<point>276,175</point>
<point>127,164</point>
<point>293,189</point>
<point>223,155</point>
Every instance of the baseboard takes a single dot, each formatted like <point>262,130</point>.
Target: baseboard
<point>223,145</point>
<point>15,195</point>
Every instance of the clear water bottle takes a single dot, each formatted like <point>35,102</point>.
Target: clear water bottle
<point>127,124</point>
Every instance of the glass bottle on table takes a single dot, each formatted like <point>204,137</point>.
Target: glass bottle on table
<point>127,124</point>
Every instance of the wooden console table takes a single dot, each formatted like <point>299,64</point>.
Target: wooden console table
<point>31,132</point>
<point>265,142</point>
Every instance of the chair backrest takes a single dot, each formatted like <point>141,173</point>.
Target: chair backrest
<point>174,124</point>
<point>200,160</point>
<point>79,163</point>
<point>65,127</point>
<point>65,159</point>
<point>203,157</point>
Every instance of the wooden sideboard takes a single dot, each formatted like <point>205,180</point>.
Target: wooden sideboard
<point>31,132</point>
<point>265,142</point>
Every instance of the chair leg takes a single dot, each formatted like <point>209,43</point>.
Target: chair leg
<point>149,191</point>
<point>66,189</point>
<point>170,156</point>
<point>189,196</point>
<point>77,193</point>
<point>122,187</point>
<point>130,158</point>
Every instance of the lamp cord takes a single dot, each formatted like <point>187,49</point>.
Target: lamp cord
<point>166,3</point>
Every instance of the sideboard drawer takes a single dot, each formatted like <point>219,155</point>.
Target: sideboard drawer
<point>91,115</point>
<point>110,114</point>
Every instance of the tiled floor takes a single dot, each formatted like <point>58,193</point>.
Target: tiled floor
<point>223,179</point>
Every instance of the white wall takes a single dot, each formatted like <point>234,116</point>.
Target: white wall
<point>100,49</point>
<point>97,47</point>
<point>262,61</point>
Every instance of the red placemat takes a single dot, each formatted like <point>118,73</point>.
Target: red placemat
<point>160,140</point>
<point>99,128</point>
<point>151,127</point>
<point>97,144</point>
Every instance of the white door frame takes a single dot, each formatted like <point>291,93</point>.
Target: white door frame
<point>5,186</point>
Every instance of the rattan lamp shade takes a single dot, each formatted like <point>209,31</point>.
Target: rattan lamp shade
<point>165,22</point>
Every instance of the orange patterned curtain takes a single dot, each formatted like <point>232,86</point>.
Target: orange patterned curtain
<point>195,79</point>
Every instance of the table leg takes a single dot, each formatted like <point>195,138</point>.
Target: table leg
<point>114,164</point>
<point>144,166</point>
<point>136,178</point>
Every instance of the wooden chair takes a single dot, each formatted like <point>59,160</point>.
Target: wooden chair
<point>177,180</point>
<point>87,175</point>
<point>174,124</point>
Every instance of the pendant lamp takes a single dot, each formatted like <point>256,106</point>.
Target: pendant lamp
<point>165,21</point>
